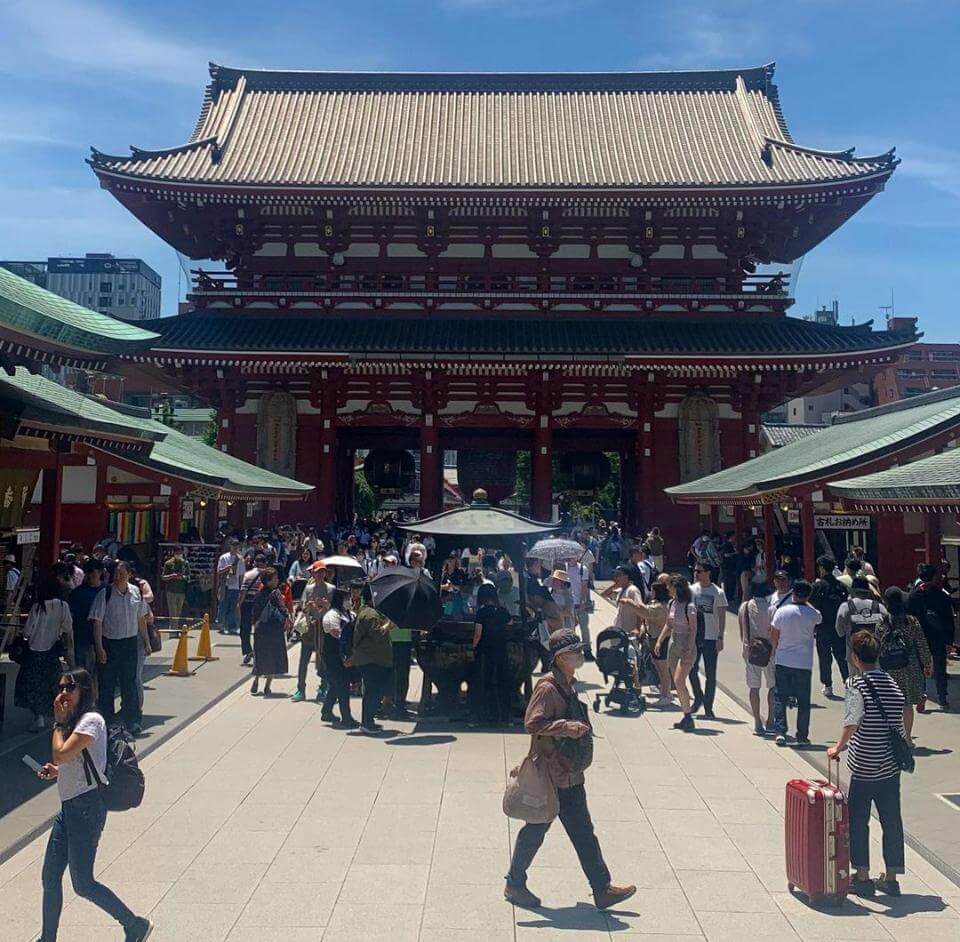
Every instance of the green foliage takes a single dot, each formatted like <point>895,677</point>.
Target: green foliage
<point>209,436</point>
<point>163,412</point>
<point>365,503</point>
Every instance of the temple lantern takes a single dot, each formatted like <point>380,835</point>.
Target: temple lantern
<point>390,472</point>
<point>494,471</point>
<point>582,475</point>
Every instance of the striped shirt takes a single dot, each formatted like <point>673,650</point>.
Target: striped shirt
<point>870,755</point>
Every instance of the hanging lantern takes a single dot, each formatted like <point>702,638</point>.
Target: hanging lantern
<point>389,472</point>
<point>583,474</point>
<point>494,471</point>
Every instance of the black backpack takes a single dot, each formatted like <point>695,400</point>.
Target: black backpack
<point>125,784</point>
<point>894,650</point>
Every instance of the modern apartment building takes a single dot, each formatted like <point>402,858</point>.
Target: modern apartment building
<point>124,287</point>
<point>920,369</point>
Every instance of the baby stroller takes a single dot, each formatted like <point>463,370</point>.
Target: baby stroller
<point>613,659</point>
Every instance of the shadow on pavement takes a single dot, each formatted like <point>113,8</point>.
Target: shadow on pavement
<point>899,906</point>
<point>919,751</point>
<point>580,918</point>
<point>430,739</point>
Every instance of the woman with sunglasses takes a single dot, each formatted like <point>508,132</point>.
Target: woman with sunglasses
<point>79,729</point>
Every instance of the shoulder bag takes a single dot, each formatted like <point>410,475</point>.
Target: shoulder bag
<point>530,795</point>
<point>758,649</point>
<point>900,746</point>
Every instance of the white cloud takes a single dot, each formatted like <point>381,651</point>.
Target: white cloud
<point>87,38</point>
<point>935,166</point>
<point>699,34</point>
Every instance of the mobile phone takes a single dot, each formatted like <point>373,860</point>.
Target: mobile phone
<point>31,763</point>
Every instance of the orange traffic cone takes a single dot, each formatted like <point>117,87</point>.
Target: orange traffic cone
<point>179,668</point>
<point>204,648</point>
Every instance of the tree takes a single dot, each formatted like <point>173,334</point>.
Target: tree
<point>365,502</point>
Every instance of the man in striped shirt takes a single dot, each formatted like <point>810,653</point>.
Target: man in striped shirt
<point>874,705</point>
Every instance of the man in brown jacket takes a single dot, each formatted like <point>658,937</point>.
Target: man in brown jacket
<point>560,726</point>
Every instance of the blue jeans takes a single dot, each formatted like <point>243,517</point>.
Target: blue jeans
<point>73,842</point>
<point>792,682</point>
<point>227,614</point>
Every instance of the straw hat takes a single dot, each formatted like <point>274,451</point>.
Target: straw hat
<point>561,575</point>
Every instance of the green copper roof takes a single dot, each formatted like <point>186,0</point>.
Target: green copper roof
<point>479,521</point>
<point>182,456</point>
<point>41,401</point>
<point>936,478</point>
<point>30,309</point>
<point>852,440</point>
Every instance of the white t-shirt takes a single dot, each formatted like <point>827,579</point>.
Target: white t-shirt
<point>711,602</point>
<point>796,625</point>
<point>225,562</point>
<point>46,623</point>
<point>120,617</point>
<point>71,780</point>
<point>627,617</point>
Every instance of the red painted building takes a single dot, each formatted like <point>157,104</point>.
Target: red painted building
<point>919,369</point>
<point>498,263</point>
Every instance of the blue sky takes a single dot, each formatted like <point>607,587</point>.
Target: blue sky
<point>871,74</point>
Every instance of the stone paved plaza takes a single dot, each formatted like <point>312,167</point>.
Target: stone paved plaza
<point>261,824</point>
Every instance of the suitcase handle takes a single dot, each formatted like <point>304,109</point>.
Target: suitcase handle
<point>831,781</point>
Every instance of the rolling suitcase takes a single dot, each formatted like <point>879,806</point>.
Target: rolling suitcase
<point>817,833</point>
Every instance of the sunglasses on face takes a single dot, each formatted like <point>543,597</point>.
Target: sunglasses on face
<point>66,688</point>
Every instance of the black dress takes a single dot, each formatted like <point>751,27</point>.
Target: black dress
<point>269,639</point>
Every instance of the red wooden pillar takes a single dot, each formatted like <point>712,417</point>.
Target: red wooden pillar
<point>174,519</point>
<point>327,478</point>
<point>51,494</point>
<point>769,540</point>
<point>431,469</point>
<point>809,538</point>
<point>644,475</point>
<point>932,535</point>
<point>541,484</point>
<point>714,518</point>
<point>741,521</point>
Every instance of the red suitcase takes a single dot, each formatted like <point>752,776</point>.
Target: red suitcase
<point>817,832</point>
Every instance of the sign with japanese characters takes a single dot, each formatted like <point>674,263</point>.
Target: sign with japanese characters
<point>841,521</point>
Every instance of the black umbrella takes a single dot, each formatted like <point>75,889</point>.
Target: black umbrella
<point>408,597</point>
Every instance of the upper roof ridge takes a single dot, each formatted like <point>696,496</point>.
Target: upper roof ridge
<point>756,78</point>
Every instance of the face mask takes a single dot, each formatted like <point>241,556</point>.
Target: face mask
<point>348,605</point>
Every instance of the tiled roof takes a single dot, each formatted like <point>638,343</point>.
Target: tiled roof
<point>42,402</point>
<point>253,332</point>
<point>932,479</point>
<point>582,130</point>
<point>852,441</point>
<point>29,309</point>
<point>777,435</point>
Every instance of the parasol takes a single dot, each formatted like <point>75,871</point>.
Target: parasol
<point>551,551</point>
<point>343,565</point>
<point>408,597</point>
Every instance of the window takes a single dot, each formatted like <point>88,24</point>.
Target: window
<point>942,355</point>
<point>913,355</point>
<point>943,374</point>
<point>106,287</point>
<point>105,301</point>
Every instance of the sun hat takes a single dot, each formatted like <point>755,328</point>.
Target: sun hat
<point>563,639</point>
<point>561,575</point>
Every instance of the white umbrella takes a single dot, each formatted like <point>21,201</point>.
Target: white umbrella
<point>342,562</point>
<point>554,549</point>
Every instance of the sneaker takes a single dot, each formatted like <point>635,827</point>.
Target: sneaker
<point>889,886</point>
<point>140,930</point>
<point>247,660</point>
<point>865,887</point>
<point>827,690</point>
<point>709,715</point>
<point>327,718</point>
<point>372,729</point>
<point>758,729</point>
<point>663,701</point>
<point>347,724</point>
<point>781,740</point>
<point>801,741</point>
<point>321,695</point>
<point>298,696</point>
<point>612,895</point>
<point>686,724</point>
<point>520,896</point>
<point>403,715</point>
